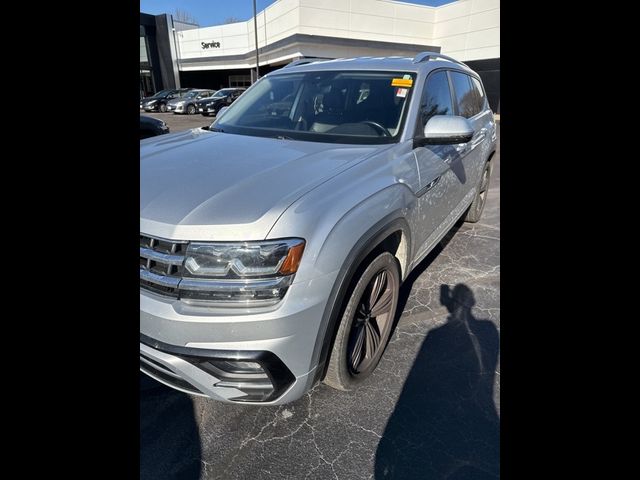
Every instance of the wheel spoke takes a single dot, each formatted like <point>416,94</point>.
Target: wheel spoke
<point>372,340</point>
<point>383,305</point>
<point>358,347</point>
<point>368,347</point>
<point>379,284</point>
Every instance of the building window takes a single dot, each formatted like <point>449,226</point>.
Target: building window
<point>147,86</point>
<point>239,80</point>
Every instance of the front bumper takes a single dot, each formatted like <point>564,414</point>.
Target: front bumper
<point>179,338</point>
<point>171,365</point>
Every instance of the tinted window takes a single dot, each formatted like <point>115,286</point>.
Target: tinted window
<point>436,99</point>
<point>479,91</point>
<point>465,96</point>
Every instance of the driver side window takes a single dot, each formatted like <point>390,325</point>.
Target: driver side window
<point>436,100</point>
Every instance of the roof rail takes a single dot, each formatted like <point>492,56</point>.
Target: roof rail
<point>426,56</point>
<point>303,61</point>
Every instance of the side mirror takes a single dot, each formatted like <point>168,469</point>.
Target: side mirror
<point>221,111</point>
<point>445,130</point>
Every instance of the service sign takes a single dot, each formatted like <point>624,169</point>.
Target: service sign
<point>206,45</point>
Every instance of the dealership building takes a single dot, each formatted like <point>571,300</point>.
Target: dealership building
<point>175,54</point>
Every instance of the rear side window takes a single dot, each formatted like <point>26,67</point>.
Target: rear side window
<point>436,99</point>
<point>479,91</point>
<point>465,95</point>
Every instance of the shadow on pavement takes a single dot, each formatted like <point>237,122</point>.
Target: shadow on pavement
<point>445,424</point>
<point>169,437</point>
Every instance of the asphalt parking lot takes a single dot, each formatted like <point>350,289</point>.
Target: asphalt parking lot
<point>431,410</point>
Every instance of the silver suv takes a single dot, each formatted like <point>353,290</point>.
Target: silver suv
<point>273,244</point>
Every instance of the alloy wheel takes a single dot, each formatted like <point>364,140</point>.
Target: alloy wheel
<point>372,323</point>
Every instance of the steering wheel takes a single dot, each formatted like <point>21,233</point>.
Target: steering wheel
<point>379,128</point>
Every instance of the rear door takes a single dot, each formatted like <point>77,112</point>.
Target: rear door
<point>472,154</point>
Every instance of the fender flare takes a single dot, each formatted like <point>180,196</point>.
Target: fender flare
<point>391,223</point>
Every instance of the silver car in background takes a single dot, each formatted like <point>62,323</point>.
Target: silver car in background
<point>187,103</point>
<point>273,244</point>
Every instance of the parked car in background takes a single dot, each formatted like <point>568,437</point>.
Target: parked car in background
<point>150,127</point>
<point>187,103</point>
<point>158,102</point>
<point>222,98</point>
<point>274,243</point>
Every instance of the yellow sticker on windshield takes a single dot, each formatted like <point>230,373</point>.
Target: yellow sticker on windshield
<point>402,82</point>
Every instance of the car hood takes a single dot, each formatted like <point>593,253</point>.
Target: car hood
<point>204,101</point>
<point>201,185</point>
<point>176,101</point>
<point>147,100</point>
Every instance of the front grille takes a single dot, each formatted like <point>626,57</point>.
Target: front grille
<point>161,265</point>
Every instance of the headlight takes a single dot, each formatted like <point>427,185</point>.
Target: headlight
<point>179,104</point>
<point>151,102</point>
<point>240,273</point>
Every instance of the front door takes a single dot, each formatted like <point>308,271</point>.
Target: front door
<point>440,167</point>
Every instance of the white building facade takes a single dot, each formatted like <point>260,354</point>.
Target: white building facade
<point>224,55</point>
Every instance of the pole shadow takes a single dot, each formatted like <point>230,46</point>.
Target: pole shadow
<point>445,424</point>
<point>169,438</point>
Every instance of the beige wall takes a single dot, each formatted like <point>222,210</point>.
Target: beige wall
<point>466,29</point>
<point>469,29</point>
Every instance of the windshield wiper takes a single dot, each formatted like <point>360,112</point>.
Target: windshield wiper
<point>283,137</point>
<point>216,129</point>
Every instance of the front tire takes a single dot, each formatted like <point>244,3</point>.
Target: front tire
<point>191,109</point>
<point>163,108</point>
<point>365,325</point>
<point>477,206</point>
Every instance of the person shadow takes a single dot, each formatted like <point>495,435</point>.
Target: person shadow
<point>445,424</point>
<point>169,437</point>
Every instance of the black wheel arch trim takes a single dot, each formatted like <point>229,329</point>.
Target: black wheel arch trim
<point>368,242</point>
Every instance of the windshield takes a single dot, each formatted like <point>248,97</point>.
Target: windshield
<point>192,94</point>
<point>161,93</point>
<point>219,94</point>
<point>352,107</point>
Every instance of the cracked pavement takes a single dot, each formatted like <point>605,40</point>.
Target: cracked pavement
<point>430,410</point>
